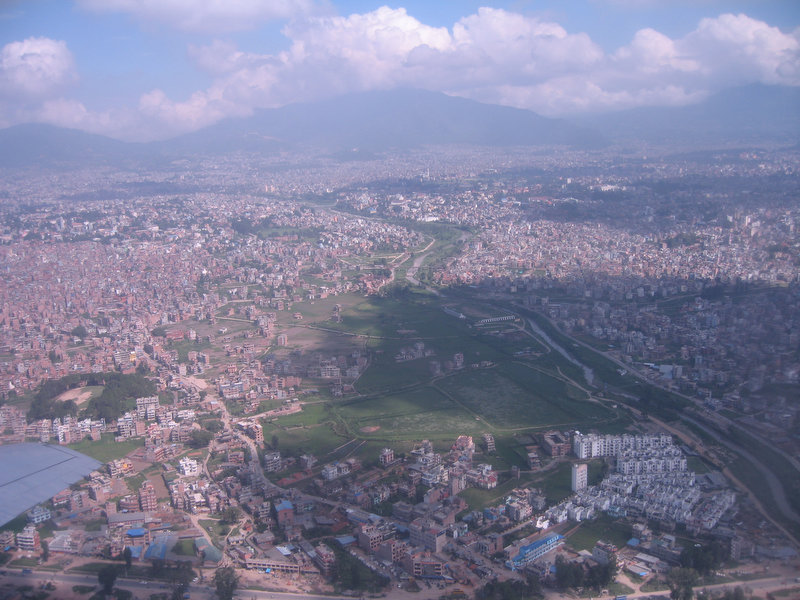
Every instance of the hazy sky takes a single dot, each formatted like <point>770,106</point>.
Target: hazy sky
<point>145,69</point>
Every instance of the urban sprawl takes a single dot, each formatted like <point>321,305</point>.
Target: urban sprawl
<point>195,282</point>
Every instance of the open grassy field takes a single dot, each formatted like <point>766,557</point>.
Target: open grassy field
<point>414,414</point>
<point>514,396</point>
<point>603,528</point>
<point>319,440</point>
<point>107,449</point>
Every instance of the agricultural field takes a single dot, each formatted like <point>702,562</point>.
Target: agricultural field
<point>424,397</point>
<point>107,449</point>
<point>603,528</point>
<point>411,415</point>
<point>540,402</point>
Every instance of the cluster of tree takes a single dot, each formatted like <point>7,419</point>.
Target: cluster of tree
<point>661,403</point>
<point>200,438</point>
<point>681,582</point>
<point>230,515</point>
<point>573,575</point>
<point>510,590</point>
<point>226,581</point>
<point>44,404</point>
<point>119,392</point>
<point>80,331</point>
<point>352,574</point>
<point>178,576</point>
<point>213,425</point>
<point>705,559</point>
<point>736,593</point>
<point>106,577</point>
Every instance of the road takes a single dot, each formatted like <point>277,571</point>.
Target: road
<point>141,590</point>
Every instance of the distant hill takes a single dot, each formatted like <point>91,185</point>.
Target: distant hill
<point>377,121</point>
<point>404,119</point>
<point>36,143</point>
<point>754,114</point>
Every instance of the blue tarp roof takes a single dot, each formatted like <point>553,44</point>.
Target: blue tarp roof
<point>346,540</point>
<point>210,553</point>
<point>137,532</point>
<point>158,549</point>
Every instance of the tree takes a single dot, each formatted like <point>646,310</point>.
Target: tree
<point>45,551</point>
<point>568,574</point>
<point>704,559</point>
<point>226,582</point>
<point>107,576</point>
<point>79,331</point>
<point>681,583</point>
<point>180,577</point>
<point>230,515</point>
<point>126,555</point>
<point>157,566</point>
<point>509,590</point>
<point>200,438</point>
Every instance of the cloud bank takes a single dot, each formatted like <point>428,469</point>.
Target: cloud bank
<point>493,56</point>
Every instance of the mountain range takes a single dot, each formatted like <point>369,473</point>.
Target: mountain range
<point>399,120</point>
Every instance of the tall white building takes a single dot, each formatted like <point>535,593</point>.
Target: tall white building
<point>188,466</point>
<point>593,445</point>
<point>580,476</point>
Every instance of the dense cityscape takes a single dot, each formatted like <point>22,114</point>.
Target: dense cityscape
<point>202,329</point>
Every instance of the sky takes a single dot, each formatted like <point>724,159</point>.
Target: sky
<point>140,70</point>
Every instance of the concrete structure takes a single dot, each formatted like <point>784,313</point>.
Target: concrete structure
<point>522,554</point>
<point>188,467</point>
<point>580,476</point>
<point>593,445</point>
<point>28,539</point>
<point>38,514</point>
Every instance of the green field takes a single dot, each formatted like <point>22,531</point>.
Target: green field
<point>603,528</point>
<point>107,449</point>
<point>514,396</point>
<point>415,414</point>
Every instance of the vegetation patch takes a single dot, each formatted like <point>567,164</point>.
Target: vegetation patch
<point>415,414</point>
<point>107,449</point>
<point>602,528</point>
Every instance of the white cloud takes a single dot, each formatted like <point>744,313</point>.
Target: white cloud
<point>35,67</point>
<point>737,49</point>
<point>492,56</point>
<point>209,16</point>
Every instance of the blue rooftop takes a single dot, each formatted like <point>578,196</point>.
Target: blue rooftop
<point>346,540</point>
<point>158,549</point>
<point>137,532</point>
<point>210,553</point>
